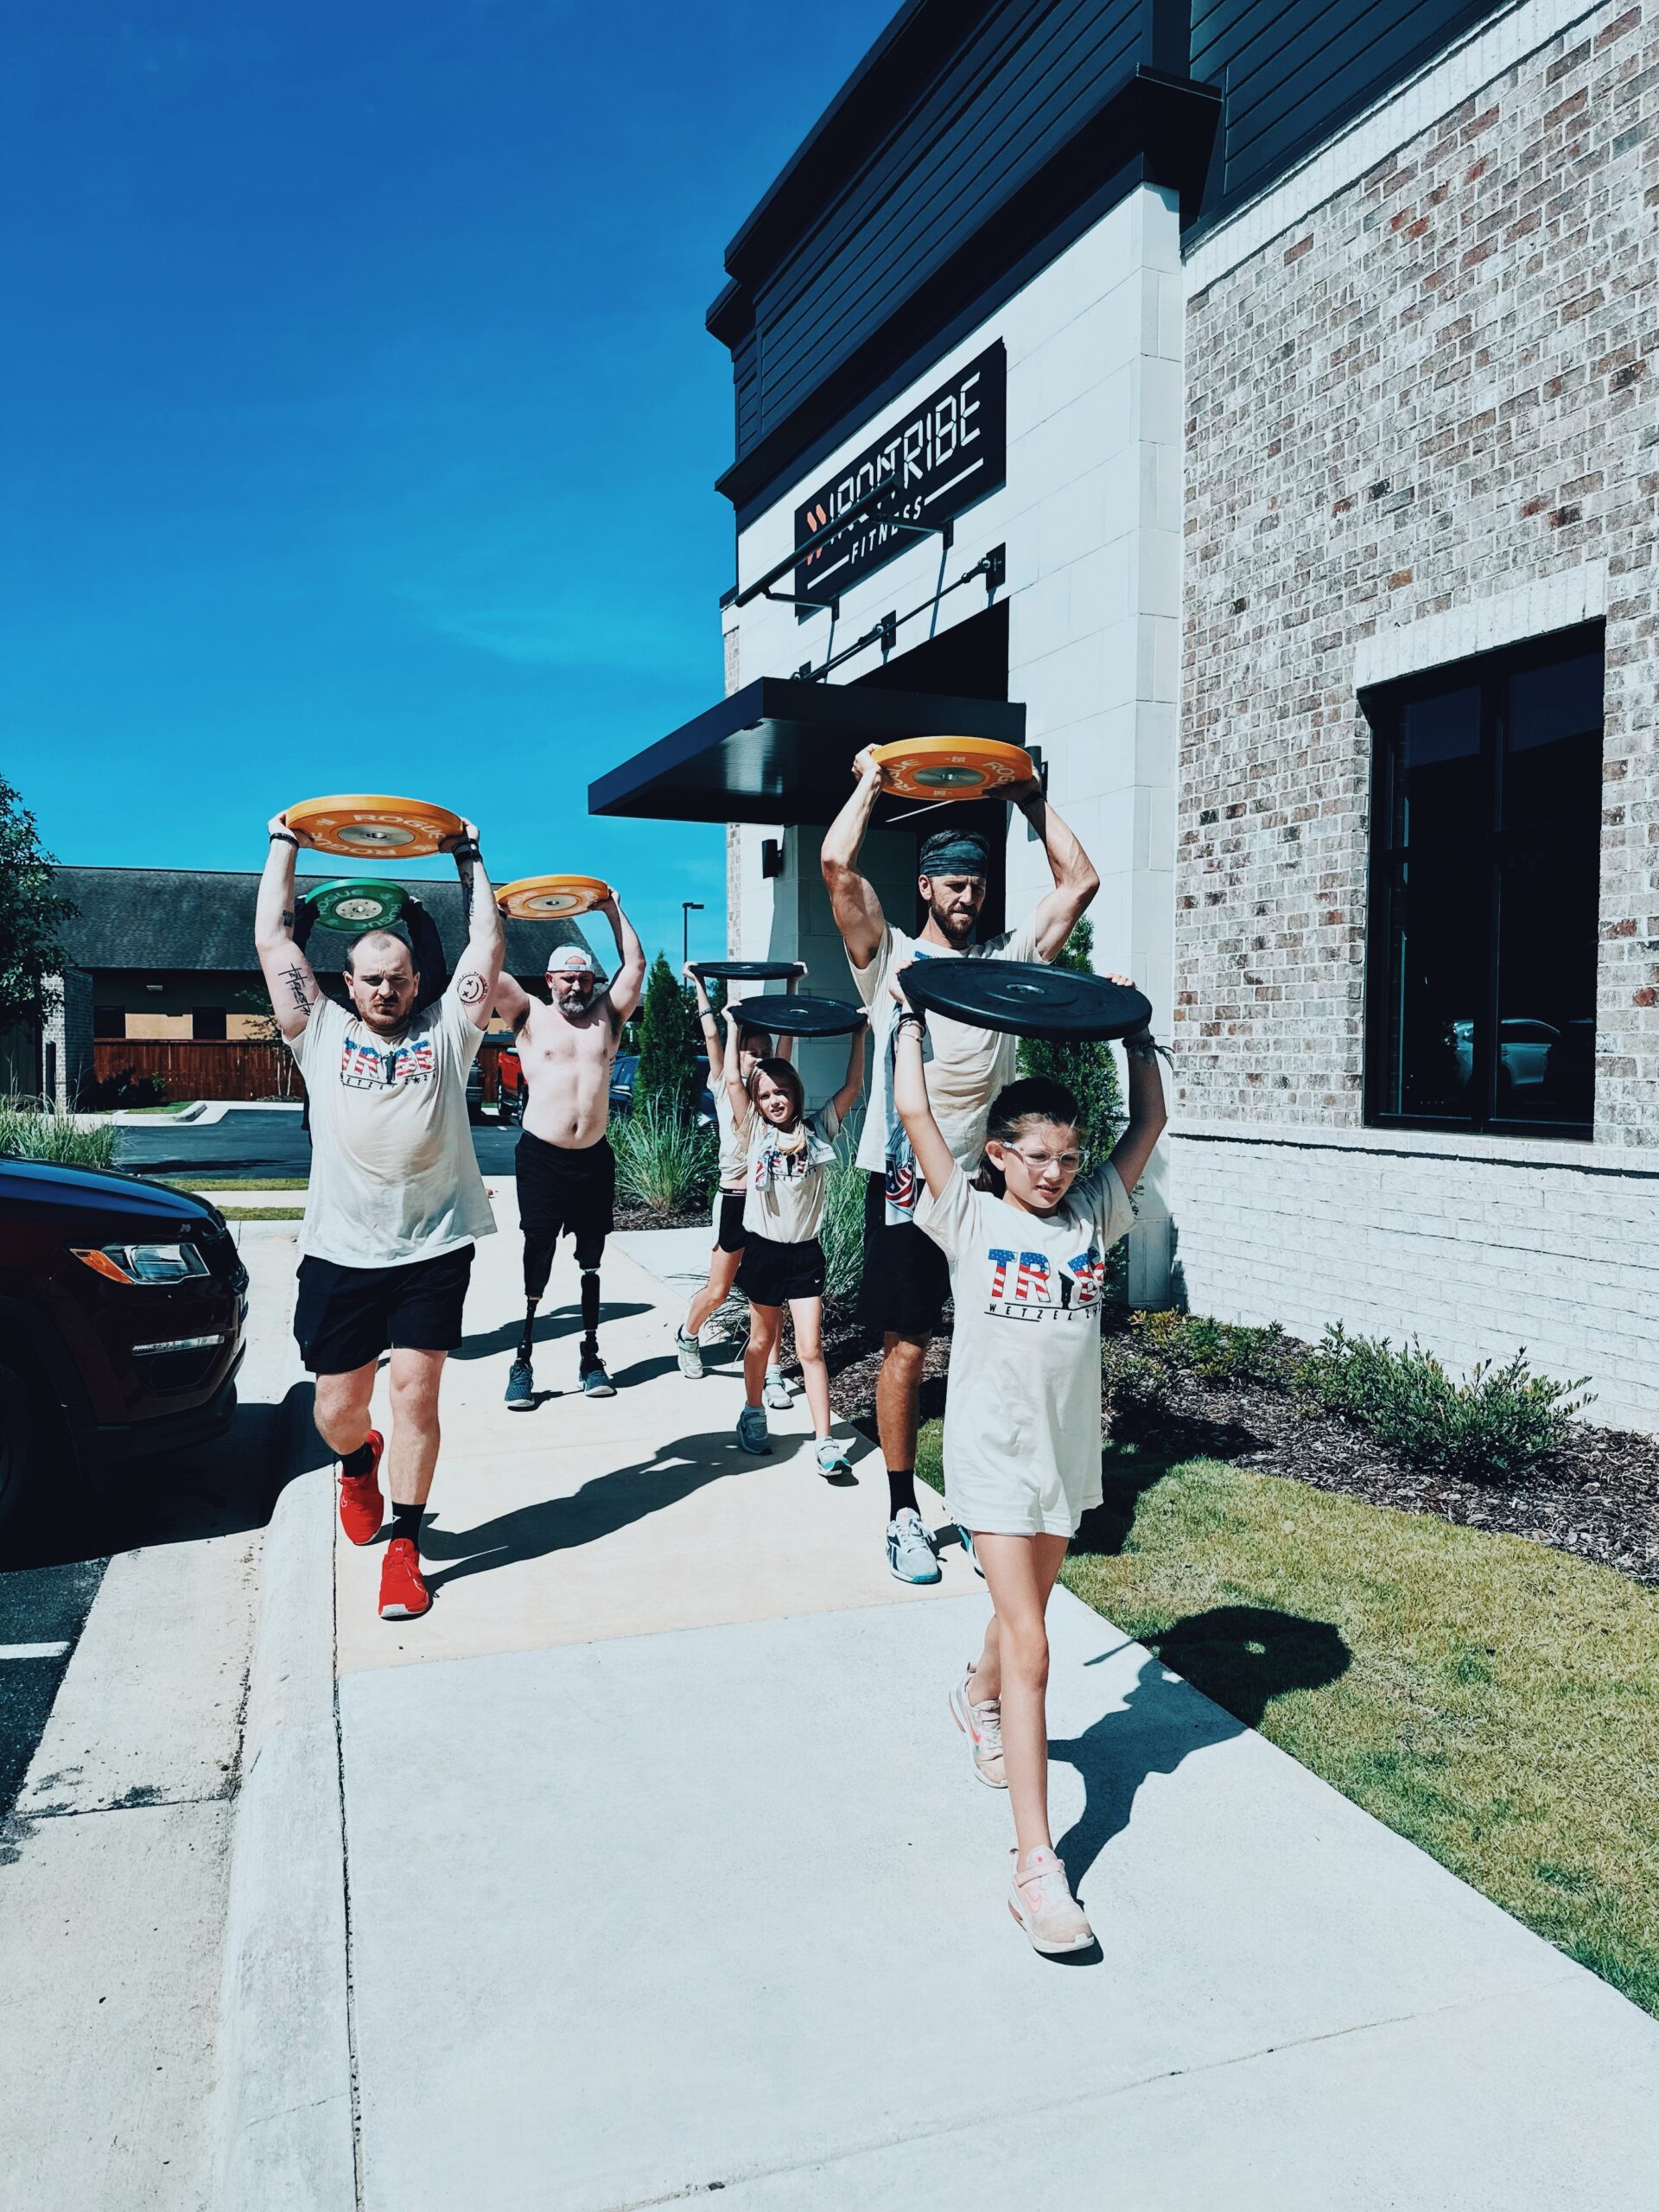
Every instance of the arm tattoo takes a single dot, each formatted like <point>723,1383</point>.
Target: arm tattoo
<point>295,978</point>
<point>469,883</point>
<point>470,988</point>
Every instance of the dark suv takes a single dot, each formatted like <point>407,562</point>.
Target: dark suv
<point>120,1311</point>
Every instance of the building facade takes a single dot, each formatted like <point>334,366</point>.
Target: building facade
<point>1257,419</point>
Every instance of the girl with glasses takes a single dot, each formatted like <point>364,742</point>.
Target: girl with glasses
<point>1026,1239</point>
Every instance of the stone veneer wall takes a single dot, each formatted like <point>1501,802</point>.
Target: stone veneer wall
<point>1421,420</point>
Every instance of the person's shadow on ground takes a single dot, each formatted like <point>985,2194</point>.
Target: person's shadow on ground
<point>601,1508</point>
<point>1240,1657</point>
<point>562,1321</point>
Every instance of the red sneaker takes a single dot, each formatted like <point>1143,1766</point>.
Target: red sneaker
<point>403,1593</point>
<point>361,1506</point>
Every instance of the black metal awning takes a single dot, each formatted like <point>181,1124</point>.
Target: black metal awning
<point>781,750</point>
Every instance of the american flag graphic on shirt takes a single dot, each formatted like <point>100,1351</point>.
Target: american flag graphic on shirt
<point>1023,1286</point>
<point>364,1066</point>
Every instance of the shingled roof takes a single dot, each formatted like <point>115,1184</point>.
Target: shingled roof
<point>201,919</point>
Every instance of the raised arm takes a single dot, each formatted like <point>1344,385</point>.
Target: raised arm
<point>847,1097</point>
<point>287,971</point>
<point>1075,879</point>
<point>711,1028</point>
<point>1147,1113</point>
<point>852,896</point>
<point>512,1000</point>
<point>732,1061</point>
<point>629,980</point>
<point>478,972</point>
<point>910,1099</point>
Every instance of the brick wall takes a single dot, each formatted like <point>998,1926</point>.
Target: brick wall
<point>1436,387</point>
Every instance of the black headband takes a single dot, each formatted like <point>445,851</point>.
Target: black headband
<point>956,852</point>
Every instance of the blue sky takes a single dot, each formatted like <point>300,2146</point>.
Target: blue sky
<point>358,425</point>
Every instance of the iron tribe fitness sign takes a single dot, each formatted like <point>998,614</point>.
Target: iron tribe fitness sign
<point>934,462</point>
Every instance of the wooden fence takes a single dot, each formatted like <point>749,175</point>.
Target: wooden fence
<point>236,1069</point>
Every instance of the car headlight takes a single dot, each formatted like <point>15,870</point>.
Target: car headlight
<point>141,1262</point>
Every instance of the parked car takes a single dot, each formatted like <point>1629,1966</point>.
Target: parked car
<point>510,1088</point>
<point>626,1066</point>
<point>122,1305</point>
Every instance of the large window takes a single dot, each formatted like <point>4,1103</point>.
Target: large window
<point>1485,847</point>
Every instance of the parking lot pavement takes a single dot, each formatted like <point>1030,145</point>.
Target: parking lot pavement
<point>257,1141</point>
<point>42,1612</point>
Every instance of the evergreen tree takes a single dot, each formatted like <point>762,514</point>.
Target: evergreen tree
<point>32,911</point>
<point>1087,1069</point>
<point>668,1053</point>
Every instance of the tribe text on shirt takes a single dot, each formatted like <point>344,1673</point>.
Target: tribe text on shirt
<point>394,1177</point>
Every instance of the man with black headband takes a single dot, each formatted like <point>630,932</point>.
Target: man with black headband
<point>565,1169</point>
<point>905,1279</point>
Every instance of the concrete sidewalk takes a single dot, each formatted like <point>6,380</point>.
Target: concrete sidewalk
<point>667,1873</point>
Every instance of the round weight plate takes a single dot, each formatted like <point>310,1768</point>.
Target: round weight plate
<point>749,971</point>
<point>1024,999</point>
<point>951,768</point>
<point>357,903</point>
<point>800,1017</point>
<point>551,898</point>
<point>356,823</point>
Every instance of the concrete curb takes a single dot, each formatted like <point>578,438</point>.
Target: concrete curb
<point>284,2138</point>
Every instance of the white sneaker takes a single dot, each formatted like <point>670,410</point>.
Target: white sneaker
<point>833,1462</point>
<point>688,1352</point>
<point>1041,1901</point>
<point>910,1556</point>
<point>777,1391</point>
<point>981,1725</point>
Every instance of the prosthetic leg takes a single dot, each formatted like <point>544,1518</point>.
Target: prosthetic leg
<point>521,1381</point>
<point>596,1382</point>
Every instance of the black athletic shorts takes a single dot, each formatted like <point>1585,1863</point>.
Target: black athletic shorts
<point>771,1273</point>
<point>907,1275</point>
<point>729,1232</point>
<point>563,1192</point>
<point>344,1317</point>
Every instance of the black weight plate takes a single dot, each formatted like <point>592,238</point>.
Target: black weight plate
<point>747,971</point>
<point>801,1017</point>
<point>1024,998</point>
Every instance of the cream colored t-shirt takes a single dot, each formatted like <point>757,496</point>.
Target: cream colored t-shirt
<point>969,1066</point>
<point>785,1189</point>
<point>393,1175</point>
<point>734,1149</point>
<point>1022,1403</point>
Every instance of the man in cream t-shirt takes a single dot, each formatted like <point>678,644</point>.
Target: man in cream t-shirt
<point>905,1278</point>
<point>396,1199</point>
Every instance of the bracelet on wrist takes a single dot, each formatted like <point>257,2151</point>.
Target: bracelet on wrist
<point>284,837</point>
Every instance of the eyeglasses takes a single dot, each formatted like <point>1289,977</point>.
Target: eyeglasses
<point>1039,1162</point>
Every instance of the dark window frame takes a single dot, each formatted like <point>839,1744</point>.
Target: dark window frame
<point>109,1022</point>
<point>1382,704</point>
<point>214,1015</point>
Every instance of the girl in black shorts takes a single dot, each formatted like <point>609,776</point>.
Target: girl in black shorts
<point>787,1150</point>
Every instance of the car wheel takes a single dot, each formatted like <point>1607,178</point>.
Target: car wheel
<point>21,1428</point>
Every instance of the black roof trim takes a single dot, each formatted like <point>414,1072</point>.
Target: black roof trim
<point>1165,125</point>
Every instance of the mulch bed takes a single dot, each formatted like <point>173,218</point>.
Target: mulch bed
<point>627,1216</point>
<point>1599,1499</point>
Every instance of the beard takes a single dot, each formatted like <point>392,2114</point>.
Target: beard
<point>955,924</point>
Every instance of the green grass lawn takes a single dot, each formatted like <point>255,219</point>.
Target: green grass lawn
<point>174,1106</point>
<point>237,1182</point>
<point>263,1213</point>
<point>1494,1702</point>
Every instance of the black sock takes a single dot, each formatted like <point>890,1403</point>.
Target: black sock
<point>361,1462</point>
<point>901,1491</point>
<point>406,1521</point>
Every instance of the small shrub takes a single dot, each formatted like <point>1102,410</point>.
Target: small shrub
<point>1496,1424</point>
<point>1214,1351</point>
<point>28,1133</point>
<point>668,1051</point>
<point>126,1089</point>
<point>1134,1388</point>
<point>842,1232</point>
<point>664,1160</point>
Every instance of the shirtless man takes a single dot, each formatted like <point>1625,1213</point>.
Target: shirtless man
<point>565,1167</point>
<point>905,1278</point>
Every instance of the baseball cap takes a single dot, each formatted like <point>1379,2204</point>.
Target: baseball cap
<point>572,960</point>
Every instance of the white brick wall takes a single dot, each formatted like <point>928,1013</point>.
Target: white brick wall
<point>1476,1249</point>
